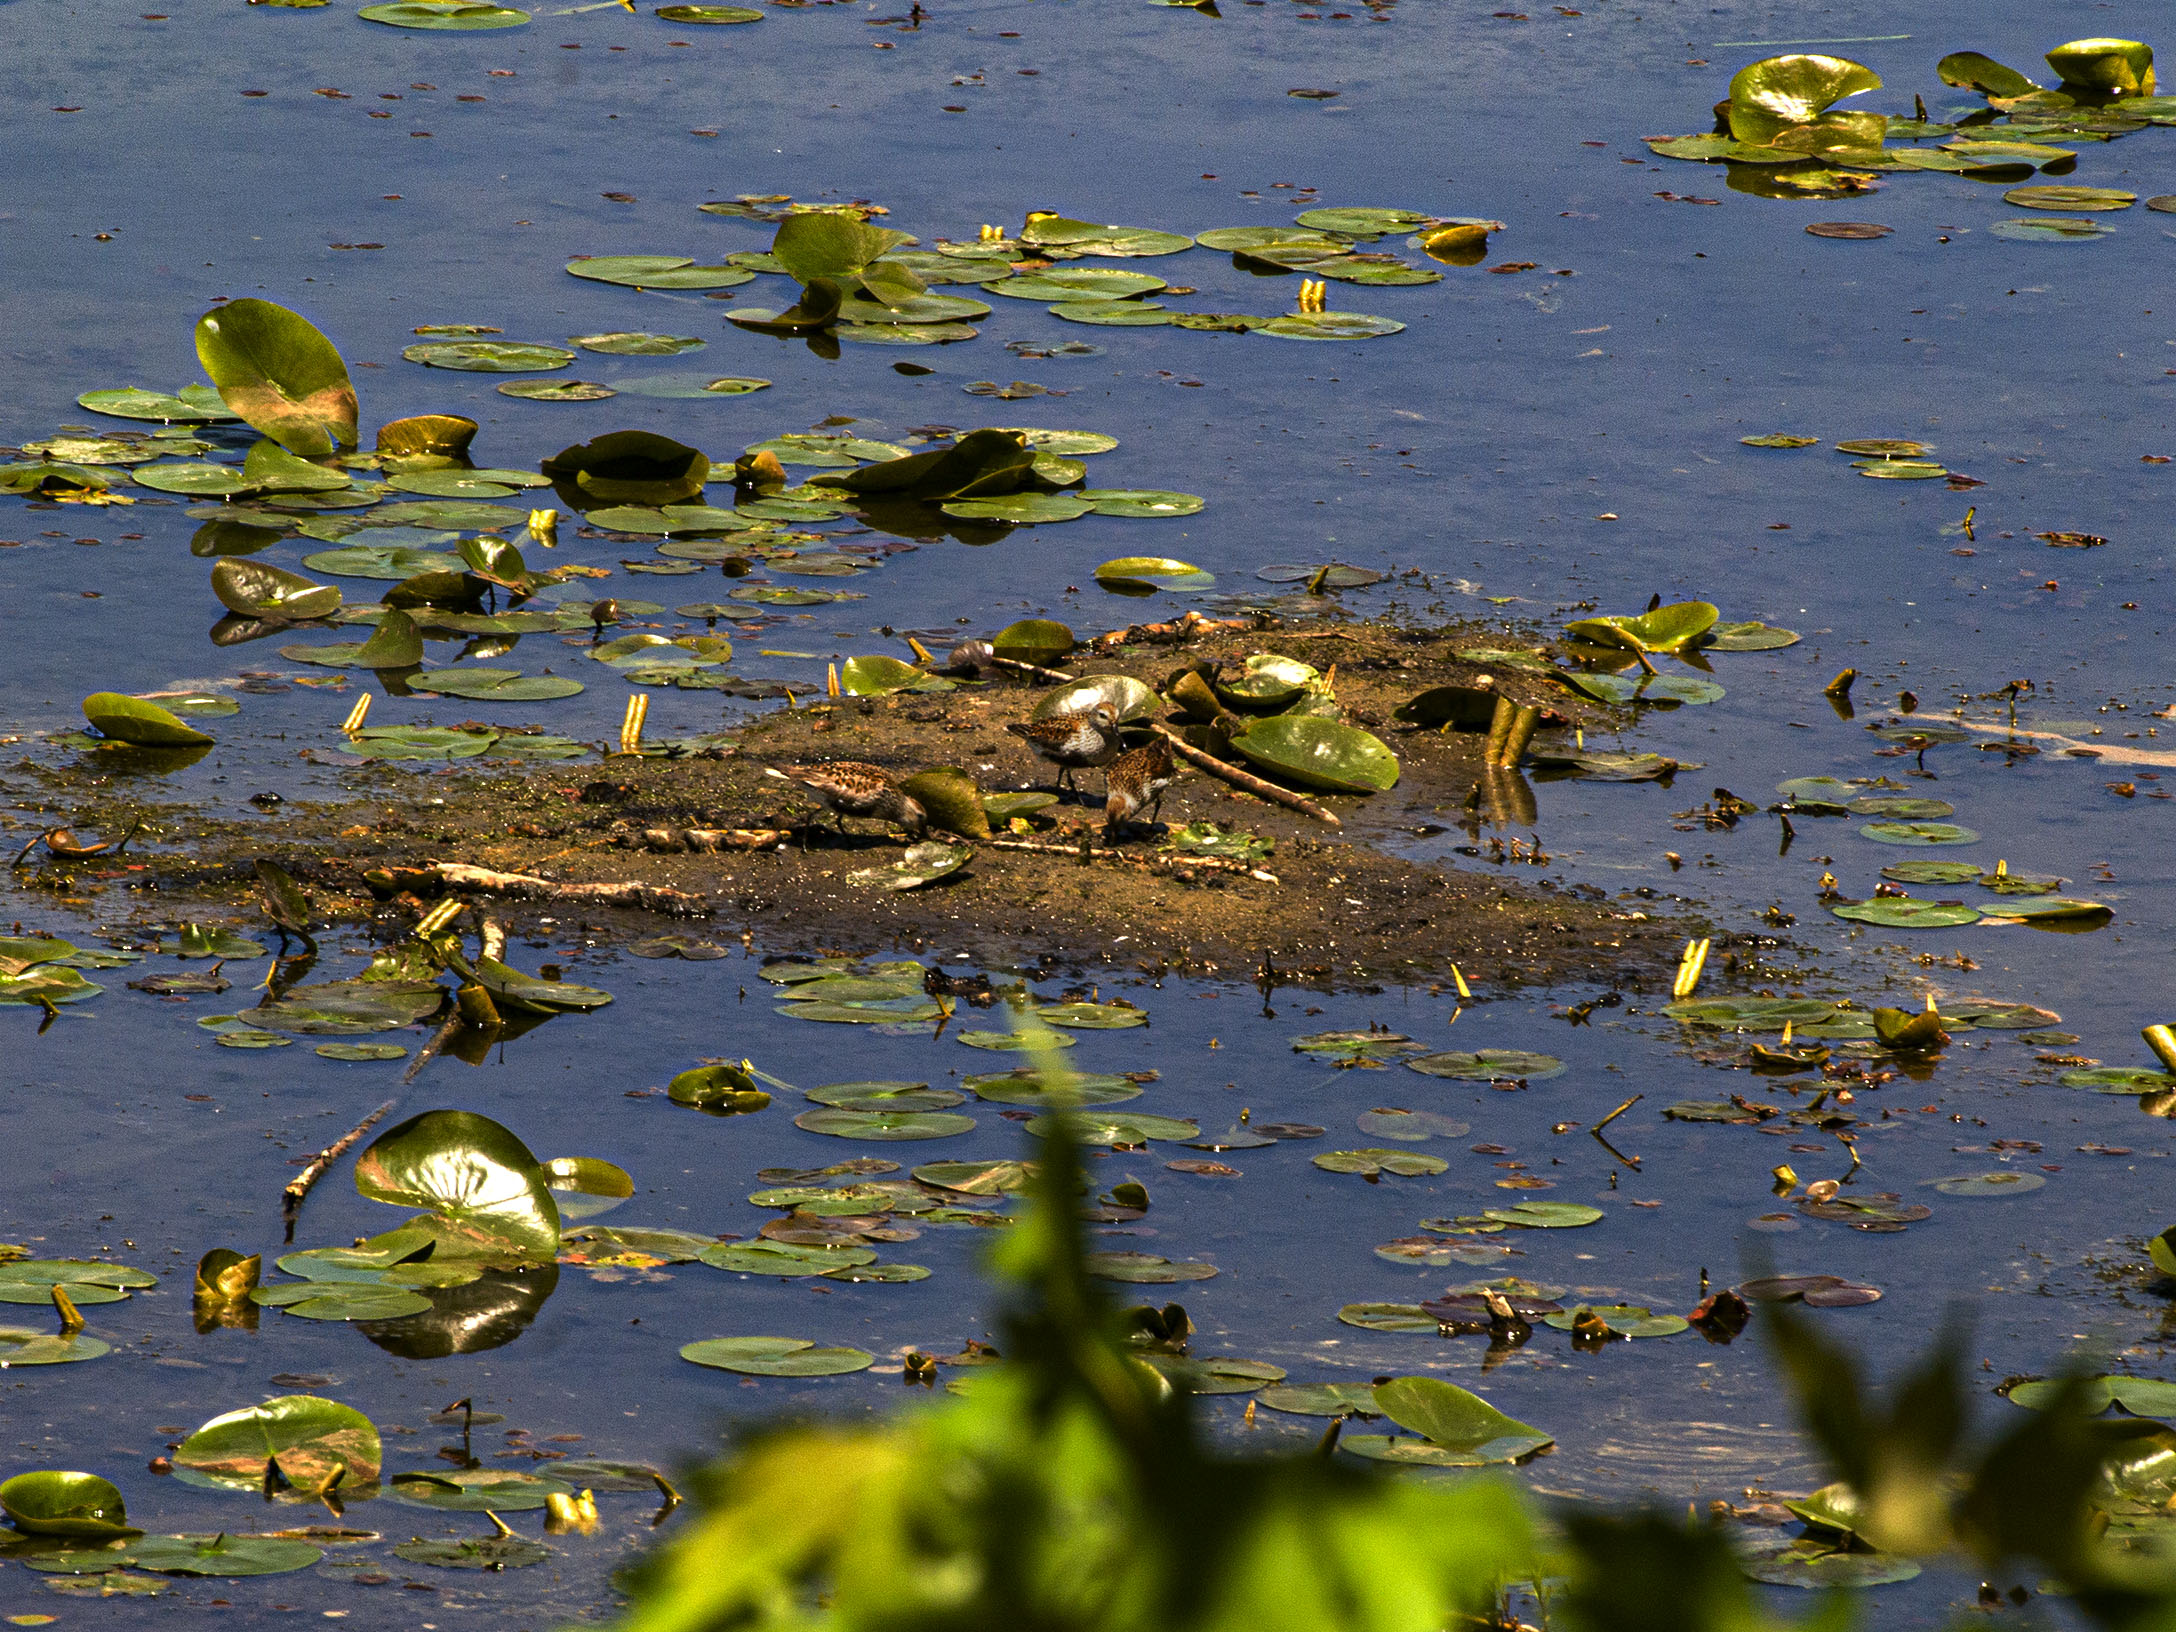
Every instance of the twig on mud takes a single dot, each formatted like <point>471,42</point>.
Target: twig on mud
<point>299,1187</point>
<point>462,878</point>
<point>1159,859</point>
<point>1243,780</point>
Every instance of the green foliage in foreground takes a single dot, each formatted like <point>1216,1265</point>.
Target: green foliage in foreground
<point>1069,1490</point>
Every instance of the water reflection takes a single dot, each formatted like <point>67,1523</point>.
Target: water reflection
<point>487,1313</point>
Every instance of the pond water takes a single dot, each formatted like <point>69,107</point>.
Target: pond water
<point>1537,442</point>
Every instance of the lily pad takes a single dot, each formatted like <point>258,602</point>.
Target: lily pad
<point>1322,1399</point>
<point>1918,833</point>
<point>1749,637</point>
<point>1545,1215</point>
<point>1781,1562</point>
<point>1319,753</point>
<point>776,1357</point>
<point>1489,1065</point>
<point>1374,1163</point>
<point>54,1503</point>
<point>1145,1269</point>
<point>1331,326</point>
<point>979,1178</point>
<point>1116,1128</point>
<point>1072,1089</point>
<point>487,1193</point>
<point>309,1439</point>
<point>2042,230</point>
<point>884,1125</point>
<point>1646,688</point>
<point>489,356</point>
<point>781,1258</point>
<point>222,1554</point>
<point>2076,200</point>
<point>1780,439</point>
<point>1213,1374</point>
<point>1456,1421</point>
<point>341,1300</point>
<point>1015,1042</point>
<point>277,371</point>
<point>22,1346</point>
<point>1389,1317</point>
<point>1904,912</point>
<point>2112,1079</point>
<point>443,14</point>
<point>1141,574</point>
<point>2001,1183</point>
<point>476,1553</point>
<point>2139,1396</point>
<point>1020,509</point>
<point>488,685</point>
<point>191,405</point>
<point>1113,1016</point>
<point>477,1490</point>
<point>1622,1319</point>
<point>1141,502</point>
<point>146,725</point>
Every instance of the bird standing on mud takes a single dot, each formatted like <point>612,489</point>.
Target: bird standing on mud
<point>848,787</point>
<point>1077,737</point>
<point>1136,780</point>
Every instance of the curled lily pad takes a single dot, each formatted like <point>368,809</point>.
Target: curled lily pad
<point>310,1440</point>
<point>1140,574</point>
<point>252,589</point>
<point>487,1193</point>
<point>1145,1269</point>
<point>584,1186</point>
<point>1489,1065</point>
<point>144,724</point>
<point>1665,629</point>
<point>1457,1421</point>
<point>776,1357</point>
<point>1372,1164</point>
<point>55,1503</point>
<point>277,371</point>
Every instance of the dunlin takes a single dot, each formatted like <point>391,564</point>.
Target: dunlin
<point>1080,736</point>
<point>1135,781</point>
<point>848,787</point>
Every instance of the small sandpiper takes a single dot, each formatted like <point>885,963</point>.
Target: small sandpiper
<point>1080,736</point>
<point>848,787</point>
<point>1136,780</point>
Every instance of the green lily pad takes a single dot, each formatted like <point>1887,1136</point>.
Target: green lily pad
<point>1357,1045</point>
<point>1145,1269</point>
<point>1545,1215</point>
<point>2000,1183</point>
<point>341,1300</point>
<point>1319,753</point>
<point>253,589</point>
<point>1389,1317</point>
<point>1489,1065</point>
<point>1071,1089</point>
<point>1358,221</point>
<point>1116,1128</point>
<point>1454,1421</point>
<point>418,742</point>
<point>1905,912</point>
<point>22,1346</point>
<point>978,1178</point>
<point>886,1096</point>
<point>673,1246</point>
<point>762,1257</point>
<point>1114,1016</point>
<point>1646,688</point>
<point>1021,509</point>
<point>2077,200</point>
<point>776,1357</point>
<point>489,356</point>
<point>475,1553</point>
<point>277,371</point>
<point>557,390</point>
<point>709,14</point>
<point>1074,284</point>
<point>488,1195</point>
<point>637,343</point>
<point>1323,1399</point>
<point>1622,1319</point>
<point>477,1490</point>
<point>1331,326</point>
<point>309,1439</point>
<point>53,1503</point>
<point>1805,1563</point>
<point>2104,1079</point>
<point>1141,574</point>
<point>444,14</point>
<point>191,405</point>
<point>222,1554</point>
<point>1932,872</point>
<point>2042,230</point>
<point>41,986</point>
<point>347,1008</point>
<point>1917,833</point>
<point>884,1125</point>
<point>2063,910</point>
<point>1780,439</point>
<point>1749,637</point>
<point>1141,502</point>
<point>488,685</point>
<point>1410,1127</point>
<point>1903,807</point>
<point>1213,1374</point>
<point>1372,1164</point>
<point>2139,1396</point>
<point>146,725</point>
<point>1014,1042</point>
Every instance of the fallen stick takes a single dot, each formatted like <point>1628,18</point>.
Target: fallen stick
<point>299,1187</point>
<point>1160,858</point>
<point>2112,753</point>
<point>1243,780</point>
<point>460,877</point>
<point>429,1051</point>
<point>1033,671</point>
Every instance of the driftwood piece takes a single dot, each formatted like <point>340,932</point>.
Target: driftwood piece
<point>461,878</point>
<point>1160,860</point>
<point>291,1196</point>
<point>1245,781</point>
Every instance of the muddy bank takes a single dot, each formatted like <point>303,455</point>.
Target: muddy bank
<point>1325,905</point>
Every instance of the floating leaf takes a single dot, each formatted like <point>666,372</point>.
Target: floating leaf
<point>1372,1164</point>
<point>776,1357</point>
<point>476,1553</point>
<point>1014,1042</point>
<point>2103,1079</point>
<point>53,1503</point>
<point>1456,1421</point>
<point>222,1554</point>
<point>1989,1184</point>
<point>478,1490</point>
<point>309,1439</point>
<point>1116,1128</point>
<point>1323,1399</point>
<point>1410,1126</point>
<point>781,1258</point>
<point>21,1346</point>
<point>1780,439</point>
<point>884,1125</point>
<point>2039,230</point>
<point>489,356</point>
<point>277,371</point>
<point>1070,1089</point>
<point>1904,912</point>
<point>1319,753</point>
<point>1213,1374</point>
<point>132,720</point>
<point>1112,1016</point>
<point>479,1181</point>
<point>1489,1065</point>
<point>1389,1317</point>
<point>1145,1269</point>
<point>654,272</point>
<point>1918,833</point>
<point>1545,1215</point>
<point>2140,1396</point>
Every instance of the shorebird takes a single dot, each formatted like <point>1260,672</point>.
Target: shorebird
<point>1080,736</point>
<point>848,787</point>
<point>1136,780</point>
